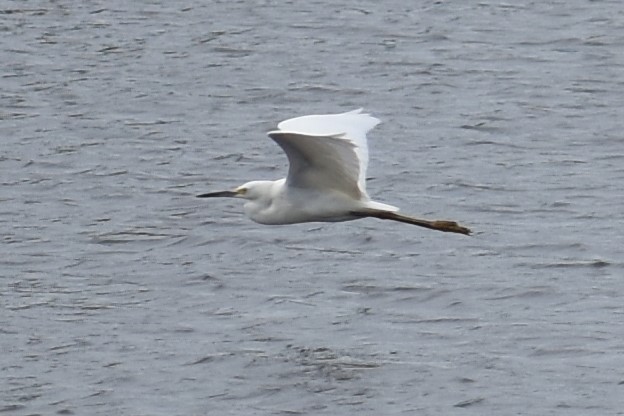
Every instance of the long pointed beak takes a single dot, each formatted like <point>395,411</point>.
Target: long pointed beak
<point>219,194</point>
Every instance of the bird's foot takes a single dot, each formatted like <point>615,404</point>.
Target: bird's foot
<point>450,227</point>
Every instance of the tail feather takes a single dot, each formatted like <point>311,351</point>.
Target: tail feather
<point>440,225</point>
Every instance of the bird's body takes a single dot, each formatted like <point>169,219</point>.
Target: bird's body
<point>326,180</point>
<point>278,204</point>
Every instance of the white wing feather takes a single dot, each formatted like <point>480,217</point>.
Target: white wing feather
<point>327,151</point>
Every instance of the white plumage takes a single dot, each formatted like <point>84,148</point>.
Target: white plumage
<point>328,156</point>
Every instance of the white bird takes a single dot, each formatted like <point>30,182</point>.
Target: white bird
<point>326,180</point>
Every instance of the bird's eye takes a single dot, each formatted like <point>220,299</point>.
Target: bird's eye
<point>241,191</point>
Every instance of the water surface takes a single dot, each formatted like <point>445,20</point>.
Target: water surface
<point>124,294</point>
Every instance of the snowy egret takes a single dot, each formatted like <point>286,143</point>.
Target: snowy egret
<point>326,181</point>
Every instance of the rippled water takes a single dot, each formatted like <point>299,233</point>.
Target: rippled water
<point>123,294</point>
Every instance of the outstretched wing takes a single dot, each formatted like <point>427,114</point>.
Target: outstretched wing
<point>327,151</point>
<point>320,162</point>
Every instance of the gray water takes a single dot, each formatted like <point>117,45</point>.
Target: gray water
<point>123,294</point>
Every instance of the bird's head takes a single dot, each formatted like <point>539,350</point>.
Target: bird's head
<point>253,190</point>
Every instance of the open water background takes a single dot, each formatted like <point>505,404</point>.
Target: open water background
<point>123,294</point>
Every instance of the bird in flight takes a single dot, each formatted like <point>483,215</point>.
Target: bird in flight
<point>326,180</point>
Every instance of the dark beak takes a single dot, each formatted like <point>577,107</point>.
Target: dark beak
<point>219,194</point>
